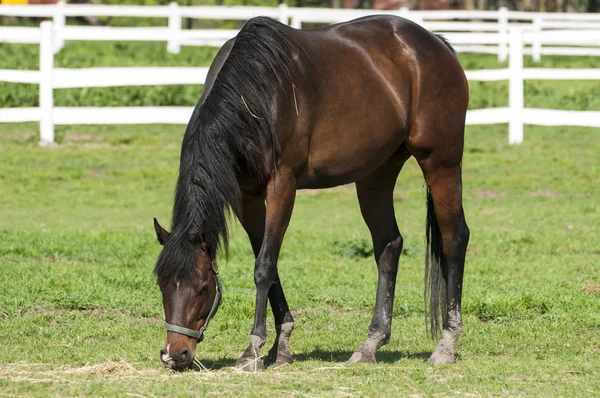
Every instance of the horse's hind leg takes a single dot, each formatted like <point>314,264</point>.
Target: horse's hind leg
<point>375,196</point>
<point>448,239</point>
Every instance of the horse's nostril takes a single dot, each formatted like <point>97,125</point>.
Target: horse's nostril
<point>184,355</point>
<point>163,352</point>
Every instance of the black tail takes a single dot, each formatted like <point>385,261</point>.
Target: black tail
<point>435,288</point>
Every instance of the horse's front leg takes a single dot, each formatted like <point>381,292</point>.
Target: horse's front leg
<point>279,354</point>
<point>280,195</point>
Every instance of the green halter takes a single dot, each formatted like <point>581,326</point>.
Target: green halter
<point>199,334</point>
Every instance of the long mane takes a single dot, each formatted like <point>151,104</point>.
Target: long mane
<point>233,132</point>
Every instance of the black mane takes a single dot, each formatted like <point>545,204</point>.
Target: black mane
<point>233,132</point>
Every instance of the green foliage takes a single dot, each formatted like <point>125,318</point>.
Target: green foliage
<point>361,248</point>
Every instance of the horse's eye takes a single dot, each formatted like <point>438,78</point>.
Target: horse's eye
<point>203,290</point>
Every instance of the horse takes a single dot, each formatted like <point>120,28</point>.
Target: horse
<point>286,109</point>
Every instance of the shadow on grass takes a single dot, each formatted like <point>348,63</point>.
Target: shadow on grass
<point>343,356</point>
<point>217,364</point>
<point>322,355</point>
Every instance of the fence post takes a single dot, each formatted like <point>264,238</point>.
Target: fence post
<point>284,16</point>
<point>296,22</point>
<point>536,45</point>
<point>173,45</point>
<point>403,12</point>
<point>503,33</point>
<point>46,95</point>
<point>59,20</point>
<point>515,89</point>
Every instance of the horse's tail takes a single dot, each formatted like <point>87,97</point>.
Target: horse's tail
<point>435,289</point>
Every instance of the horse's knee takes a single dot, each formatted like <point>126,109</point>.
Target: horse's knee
<point>264,273</point>
<point>388,261</point>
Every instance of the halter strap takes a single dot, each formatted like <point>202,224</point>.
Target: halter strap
<point>199,334</point>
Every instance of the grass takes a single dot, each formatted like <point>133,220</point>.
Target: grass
<point>81,314</point>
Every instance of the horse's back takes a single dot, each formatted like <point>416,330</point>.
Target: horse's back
<point>362,85</point>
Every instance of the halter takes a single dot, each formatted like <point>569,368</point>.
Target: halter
<point>199,334</point>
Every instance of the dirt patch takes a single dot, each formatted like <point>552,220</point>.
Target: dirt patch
<point>81,138</point>
<point>488,211</point>
<point>97,312</point>
<point>546,193</point>
<point>341,312</point>
<point>85,140</point>
<point>153,320</point>
<point>591,289</point>
<point>49,311</point>
<point>474,249</point>
<point>488,194</point>
<point>51,260</point>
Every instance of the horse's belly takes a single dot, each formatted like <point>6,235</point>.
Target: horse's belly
<point>348,157</point>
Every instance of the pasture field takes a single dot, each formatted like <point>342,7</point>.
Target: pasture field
<point>80,313</point>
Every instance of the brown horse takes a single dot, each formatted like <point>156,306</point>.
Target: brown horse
<point>287,109</point>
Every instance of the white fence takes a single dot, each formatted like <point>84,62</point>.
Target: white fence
<point>474,31</point>
<point>50,78</point>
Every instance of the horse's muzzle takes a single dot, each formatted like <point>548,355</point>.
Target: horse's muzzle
<point>179,362</point>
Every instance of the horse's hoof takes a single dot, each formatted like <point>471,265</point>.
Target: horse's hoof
<point>362,357</point>
<point>283,360</point>
<point>250,365</point>
<point>276,360</point>
<point>441,358</point>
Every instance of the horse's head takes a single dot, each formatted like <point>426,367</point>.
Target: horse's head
<point>189,302</point>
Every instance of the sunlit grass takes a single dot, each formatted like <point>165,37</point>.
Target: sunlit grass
<point>78,247</point>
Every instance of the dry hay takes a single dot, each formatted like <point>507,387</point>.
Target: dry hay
<point>49,373</point>
<point>109,367</point>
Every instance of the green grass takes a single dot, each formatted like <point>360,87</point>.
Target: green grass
<point>81,314</point>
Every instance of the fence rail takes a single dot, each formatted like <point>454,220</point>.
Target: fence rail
<point>50,78</point>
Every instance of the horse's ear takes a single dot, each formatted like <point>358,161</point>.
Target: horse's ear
<point>161,234</point>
